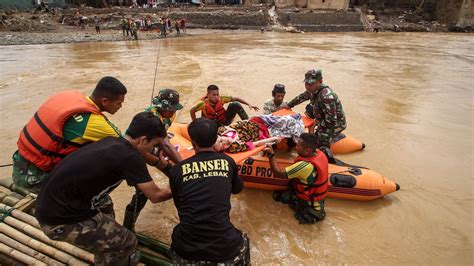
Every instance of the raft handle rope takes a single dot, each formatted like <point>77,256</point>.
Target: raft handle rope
<point>5,213</point>
<point>156,71</point>
<point>6,165</point>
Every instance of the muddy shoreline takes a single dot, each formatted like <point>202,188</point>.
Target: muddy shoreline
<point>61,26</point>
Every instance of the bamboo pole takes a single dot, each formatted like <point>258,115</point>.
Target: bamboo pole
<point>37,233</point>
<point>4,239</point>
<point>9,200</point>
<point>2,195</point>
<point>30,220</point>
<point>20,215</point>
<point>39,246</point>
<point>8,183</point>
<point>27,206</point>
<point>22,257</point>
<point>149,259</point>
<point>153,244</point>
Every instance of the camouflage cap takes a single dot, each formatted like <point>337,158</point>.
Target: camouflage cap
<point>167,100</point>
<point>312,76</point>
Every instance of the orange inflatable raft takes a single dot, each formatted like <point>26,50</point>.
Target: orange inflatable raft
<point>346,182</point>
<point>179,137</point>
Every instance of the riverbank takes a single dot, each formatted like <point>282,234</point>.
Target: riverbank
<point>61,25</point>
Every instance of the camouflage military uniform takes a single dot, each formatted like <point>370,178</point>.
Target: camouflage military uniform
<point>26,174</point>
<point>326,108</point>
<point>243,258</point>
<point>111,243</point>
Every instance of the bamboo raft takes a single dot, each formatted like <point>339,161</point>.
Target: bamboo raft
<point>23,242</point>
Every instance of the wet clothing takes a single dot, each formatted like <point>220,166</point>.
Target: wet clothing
<point>218,113</point>
<point>111,243</point>
<point>201,188</point>
<point>326,108</point>
<point>314,187</point>
<point>75,187</point>
<point>243,258</point>
<point>303,172</point>
<point>269,106</point>
<point>308,188</point>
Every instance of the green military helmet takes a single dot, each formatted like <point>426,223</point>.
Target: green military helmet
<point>167,100</point>
<point>312,76</point>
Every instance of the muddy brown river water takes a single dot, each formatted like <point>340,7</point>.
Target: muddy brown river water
<point>407,96</point>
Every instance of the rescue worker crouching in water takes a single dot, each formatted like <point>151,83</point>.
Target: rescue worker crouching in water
<point>164,106</point>
<point>68,203</point>
<point>212,107</point>
<point>325,107</point>
<point>308,178</point>
<point>63,124</point>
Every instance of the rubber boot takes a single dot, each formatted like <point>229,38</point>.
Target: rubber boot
<point>129,220</point>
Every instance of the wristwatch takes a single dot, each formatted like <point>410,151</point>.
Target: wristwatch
<point>270,155</point>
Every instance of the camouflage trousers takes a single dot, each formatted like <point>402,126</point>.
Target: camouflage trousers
<point>111,243</point>
<point>243,258</point>
<point>26,174</point>
<point>305,212</point>
<point>327,136</point>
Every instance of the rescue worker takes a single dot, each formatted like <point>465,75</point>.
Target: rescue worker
<point>68,204</point>
<point>64,123</point>
<point>308,179</point>
<point>277,102</point>
<point>202,186</point>
<point>164,106</point>
<point>134,29</point>
<point>325,107</point>
<point>212,107</point>
<point>123,25</point>
<point>128,26</point>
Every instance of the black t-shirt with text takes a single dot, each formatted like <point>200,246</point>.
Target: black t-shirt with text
<point>201,187</point>
<point>74,188</point>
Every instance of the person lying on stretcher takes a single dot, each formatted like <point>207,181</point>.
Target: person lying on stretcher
<point>245,135</point>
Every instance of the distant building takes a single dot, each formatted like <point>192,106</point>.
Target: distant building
<point>315,4</point>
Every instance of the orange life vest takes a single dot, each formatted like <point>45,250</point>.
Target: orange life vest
<point>216,112</point>
<point>318,189</point>
<point>41,141</point>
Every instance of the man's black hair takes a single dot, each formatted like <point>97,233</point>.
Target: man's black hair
<point>310,141</point>
<point>203,132</point>
<point>146,124</point>
<point>212,88</point>
<point>110,88</point>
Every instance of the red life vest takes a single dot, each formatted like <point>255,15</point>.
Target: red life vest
<point>41,141</point>
<point>216,112</point>
<point>319,188</point>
